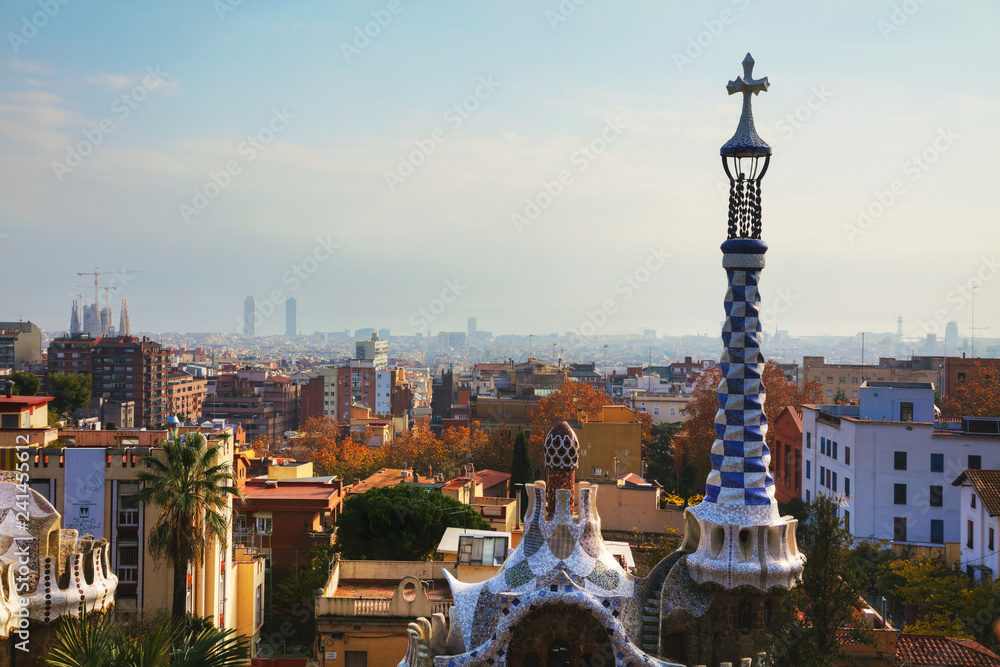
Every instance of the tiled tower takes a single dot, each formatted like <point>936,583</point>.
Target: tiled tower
<point>742,541</point>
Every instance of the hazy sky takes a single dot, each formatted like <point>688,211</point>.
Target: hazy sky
<point>357,185</point>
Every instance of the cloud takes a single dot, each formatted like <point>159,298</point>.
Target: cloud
<point>27,66</point>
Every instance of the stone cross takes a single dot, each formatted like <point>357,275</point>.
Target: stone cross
<point>746,84</point>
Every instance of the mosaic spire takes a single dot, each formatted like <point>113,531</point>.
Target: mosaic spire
<point>739,492</point>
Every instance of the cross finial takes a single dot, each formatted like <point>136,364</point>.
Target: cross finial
<point>746,84</point>
<point>746,141</point>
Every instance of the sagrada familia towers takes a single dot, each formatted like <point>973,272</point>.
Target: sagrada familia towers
<point>561,598</point>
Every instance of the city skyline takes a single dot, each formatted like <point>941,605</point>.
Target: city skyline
<point>880,125</point>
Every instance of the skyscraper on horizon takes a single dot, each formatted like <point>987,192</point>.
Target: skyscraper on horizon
<point>291,317</point>
<point>249,311</point>
<point>471,335</point>
<point>74,318</point>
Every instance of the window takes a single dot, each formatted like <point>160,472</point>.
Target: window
<point>937,462</point>
<point>835,450</point>
<point>906,412</point>
<point>807,497</point>
<point>989,543</point>
<point>809,440</point>
<point>847,455</point>
<point>829,380</point>
<point>809,469</point>
<point>595,471</point>
<point>128,505</point>
<point>128,561</point>
<point>259,606</point>
<point>970,530</point>
<point>822,475</point>
<point>899,494</point>
<point>937,496</point>
<point>476,550</point>
<point>828,485</point>
<point>829,393</point>
<point>356,658</point>
<point>937,531</point>
<point>899,460</point>
<point>972,504</point>
<point>975,462</point>
<point>843,381</point>
<point>264,525</point>
<point>847,486</point>
<point>961,376</point>
<point>899,528</point>
<point>822,445</point>
<point>834,486</point>
<point>10,420</point>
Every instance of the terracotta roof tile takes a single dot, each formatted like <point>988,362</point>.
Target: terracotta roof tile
<point>987,485</point>
<point>490,478</point>
<point>944,651</point>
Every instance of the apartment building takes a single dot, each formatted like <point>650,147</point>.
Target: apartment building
<point>892,464</point>
<point>845,380</point>
<point>20,344</point>
<point>185,396</point>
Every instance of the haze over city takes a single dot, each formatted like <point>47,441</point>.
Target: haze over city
<point>365,174</point>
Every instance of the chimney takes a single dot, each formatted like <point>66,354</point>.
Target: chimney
<point>430,472</point>
<point>8,388</point>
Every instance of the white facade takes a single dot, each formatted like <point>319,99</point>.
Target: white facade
<point>894,477</point>
<point>980,532</point>
<point>383,392</point>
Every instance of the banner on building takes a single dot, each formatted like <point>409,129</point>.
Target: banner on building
<point>83,504</point>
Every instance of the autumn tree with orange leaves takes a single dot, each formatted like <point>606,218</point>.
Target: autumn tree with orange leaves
<point>694,442</point>
<point>565,404</point>
<point>978,395</point>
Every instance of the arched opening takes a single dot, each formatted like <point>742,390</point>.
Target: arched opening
<point>557,636</point>
<point>560,654</point>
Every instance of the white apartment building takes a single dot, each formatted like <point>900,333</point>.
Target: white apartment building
<point>662,407</point>
<point>979,524</point>
<point>891,464</point>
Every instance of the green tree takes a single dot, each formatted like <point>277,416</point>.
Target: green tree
<point>520,470</point>
<point>658,455</point>
<point>70,392</point>
<point>191,486</point>
<point>825,602</point>
<point>402,522</point>
<point>25,384</point>
<point>102,639</point>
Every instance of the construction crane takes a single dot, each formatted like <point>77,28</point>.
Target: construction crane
<point>97,273</point>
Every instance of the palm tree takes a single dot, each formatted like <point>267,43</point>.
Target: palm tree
<point>191,486</point>
<point>101,641</point>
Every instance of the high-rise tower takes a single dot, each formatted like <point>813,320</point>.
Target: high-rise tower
<point>249,311</point>
<point>291,317</point>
